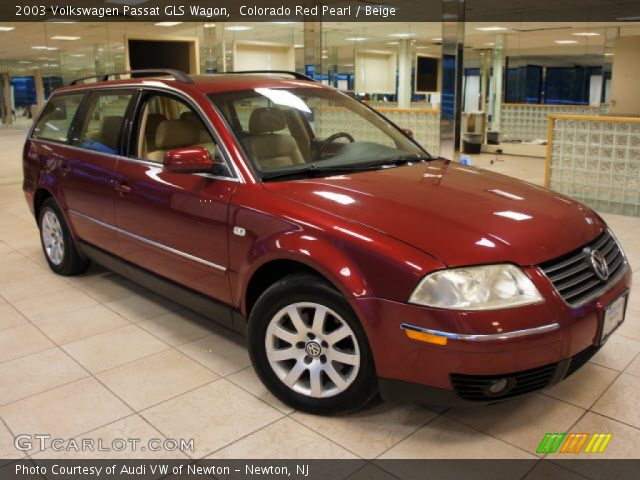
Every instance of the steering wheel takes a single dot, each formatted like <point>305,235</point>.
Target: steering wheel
<point>329,141</point>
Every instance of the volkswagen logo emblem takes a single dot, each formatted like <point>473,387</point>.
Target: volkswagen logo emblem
<point>599,265</point>
<point>313,349</point>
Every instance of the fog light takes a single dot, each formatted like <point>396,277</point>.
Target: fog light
<point>498,386</point>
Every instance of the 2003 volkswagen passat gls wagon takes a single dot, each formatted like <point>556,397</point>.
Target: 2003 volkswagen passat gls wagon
<point>354,261</point>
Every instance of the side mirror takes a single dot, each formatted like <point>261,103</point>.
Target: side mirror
<point>408,132</point>
<point>188,160</point>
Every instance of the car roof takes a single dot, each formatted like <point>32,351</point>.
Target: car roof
<point>208,83</point>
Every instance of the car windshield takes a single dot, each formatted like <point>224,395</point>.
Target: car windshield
<point>289,132</point>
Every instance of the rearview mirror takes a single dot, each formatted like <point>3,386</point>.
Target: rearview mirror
<point>188,160</point>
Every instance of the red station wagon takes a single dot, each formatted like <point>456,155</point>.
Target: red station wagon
<point>356,263</point>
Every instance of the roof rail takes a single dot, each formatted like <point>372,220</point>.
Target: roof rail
<point>179,75</point>
<point>296,75</point>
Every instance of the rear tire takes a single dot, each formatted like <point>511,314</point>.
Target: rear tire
<point>57,243</point>
<point>309,348</point>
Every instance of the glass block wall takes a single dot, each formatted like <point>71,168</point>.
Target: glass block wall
<point>420,105</point>
<point>529,122</point>
<point>424,123</point>
<point>596,161</point>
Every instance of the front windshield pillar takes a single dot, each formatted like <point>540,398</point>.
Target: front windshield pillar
<point>451,72</point>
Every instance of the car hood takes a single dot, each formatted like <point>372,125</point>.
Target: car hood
<point>459,214</point>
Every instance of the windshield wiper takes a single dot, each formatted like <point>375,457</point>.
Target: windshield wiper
<point>313,171</point>
<point>401,160</point>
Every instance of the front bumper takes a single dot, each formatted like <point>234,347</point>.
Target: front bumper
<point>436,374</point>
<point>472,391</point>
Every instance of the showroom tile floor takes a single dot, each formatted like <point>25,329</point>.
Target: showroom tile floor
<point>96,356</point>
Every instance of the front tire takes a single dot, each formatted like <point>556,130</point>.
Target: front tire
<point>309,349</point>
<point>57,243</point>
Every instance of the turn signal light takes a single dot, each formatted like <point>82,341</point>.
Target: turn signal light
<point>426,337</point>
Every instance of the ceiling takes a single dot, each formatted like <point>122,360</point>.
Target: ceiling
<point>104,42</point>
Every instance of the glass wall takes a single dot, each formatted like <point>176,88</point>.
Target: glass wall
<point>516,74</point>
<point>390,65</point>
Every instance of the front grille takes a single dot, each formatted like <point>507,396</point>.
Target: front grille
<point>573,275</point>
<point>580,358</point>
<point>475,387</point>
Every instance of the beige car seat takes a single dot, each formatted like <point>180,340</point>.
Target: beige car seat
<point>172,134</point>
<point>110,131</point>
<point>203,136</point>
<point>271,150</point>
<point>153,121</point>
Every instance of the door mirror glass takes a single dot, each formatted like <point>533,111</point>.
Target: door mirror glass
<point>188,160</point>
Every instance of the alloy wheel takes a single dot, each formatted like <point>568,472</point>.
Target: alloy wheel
<point>52,237</point>
<point>312,350</point>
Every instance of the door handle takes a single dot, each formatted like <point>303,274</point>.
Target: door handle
<point>65,169</point>
<point>122,187</point>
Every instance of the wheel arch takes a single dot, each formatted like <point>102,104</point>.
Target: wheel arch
<point>43,193</point>
<point>273,268</point>
<point>39,198</point>
<point>269,273</point>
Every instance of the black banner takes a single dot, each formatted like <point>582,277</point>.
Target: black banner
<point>534,469</point>
<point>317,10</point>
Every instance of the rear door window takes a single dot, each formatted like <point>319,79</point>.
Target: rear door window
<point>102,123</point>
<point>55,122</point>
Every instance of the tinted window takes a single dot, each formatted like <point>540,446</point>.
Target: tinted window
<point>55,121</point>
<point>103,121</point>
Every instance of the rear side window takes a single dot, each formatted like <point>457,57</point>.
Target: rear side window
<point>102,122</point>
<point>56,118</point>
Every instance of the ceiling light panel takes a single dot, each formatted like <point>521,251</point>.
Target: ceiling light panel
<point>402,35</point>
<point>494,28</point>
<point>238,28</point>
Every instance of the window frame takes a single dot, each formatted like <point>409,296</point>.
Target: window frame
<point>135,117</point>
<point>72,124</point>
<point>88,102</point>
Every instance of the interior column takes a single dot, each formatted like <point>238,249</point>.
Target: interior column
<point>451,72</point>
<point>404,74</point>
<point>37,76</point>
<point>496,82</point>
<point>485,75</point>
<point>313,47</point>
<point>220,49</point>
<point>6,106</point>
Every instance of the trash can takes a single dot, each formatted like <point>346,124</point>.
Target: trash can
<point>493,138</point>
<point>472,142</point>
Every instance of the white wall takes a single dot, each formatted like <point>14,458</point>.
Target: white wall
<point>375,71</point>
<point>263,56</point>
<point>625,94</point>
<point>595,90</point>
<point>472,93</point>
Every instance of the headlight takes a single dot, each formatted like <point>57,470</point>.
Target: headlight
<point>487,287</point>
